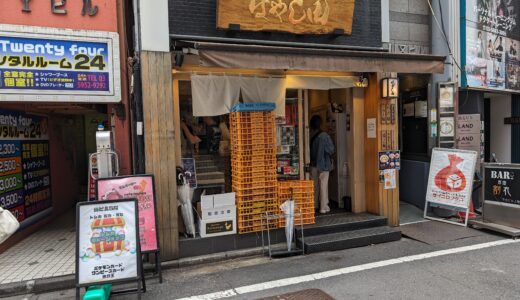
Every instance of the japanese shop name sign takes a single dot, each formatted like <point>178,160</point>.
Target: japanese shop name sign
<point>294,16</point>
<point>48,66</point>
<point>502,184</point>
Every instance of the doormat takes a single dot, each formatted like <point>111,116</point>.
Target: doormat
<point>437,232</point>
<point>310,294</point>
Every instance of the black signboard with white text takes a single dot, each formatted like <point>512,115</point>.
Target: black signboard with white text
<point>502,184</point>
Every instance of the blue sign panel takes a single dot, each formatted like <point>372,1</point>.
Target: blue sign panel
<point>54,65</point>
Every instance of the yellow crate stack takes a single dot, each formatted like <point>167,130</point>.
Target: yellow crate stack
<point>303,195</point>
<point>253,165</point>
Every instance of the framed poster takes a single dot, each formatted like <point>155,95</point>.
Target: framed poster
<point>490,40</point>
<point>107,247</point>
<point>447,127</point>
<point>389,160</point>
<point>25,175</point>
<point>142,188</point>
<point>190,171</point>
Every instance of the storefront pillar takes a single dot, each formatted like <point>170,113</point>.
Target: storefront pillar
<point>378,200</point>
<point>160,144</point>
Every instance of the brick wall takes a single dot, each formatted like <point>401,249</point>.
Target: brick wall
<point>198,18</point>
<point>410,26</point>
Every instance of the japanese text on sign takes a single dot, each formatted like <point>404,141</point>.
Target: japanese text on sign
<point>108,248</point>
<point>41,64</point>
<point>25,177</point>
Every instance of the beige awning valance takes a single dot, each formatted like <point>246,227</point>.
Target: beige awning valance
<point>236,56</point>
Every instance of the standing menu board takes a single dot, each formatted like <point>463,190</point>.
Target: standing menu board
<point>140,187</point>
<point>107,247</point>
<point>25,176</point>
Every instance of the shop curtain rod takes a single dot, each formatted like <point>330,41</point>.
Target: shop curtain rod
<point>238,75</point>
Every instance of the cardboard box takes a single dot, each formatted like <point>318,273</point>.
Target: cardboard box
<point>224,212</point>
<point>206,202</point>
<point>224,200</point>
<point>217,227</point>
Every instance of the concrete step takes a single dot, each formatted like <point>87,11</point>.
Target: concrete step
<point>204,157</point>
<point>207,169</point>
<point>341,222</point>
<point>349,239</point>
<point>210,175</point>
<point>218,181</point>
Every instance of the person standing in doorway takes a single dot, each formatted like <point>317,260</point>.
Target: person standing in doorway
<point>322,149</point>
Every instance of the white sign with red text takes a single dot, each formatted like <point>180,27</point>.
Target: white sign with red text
<point>451,177</point>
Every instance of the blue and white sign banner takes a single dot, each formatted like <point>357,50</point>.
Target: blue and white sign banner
<point>44,64</point>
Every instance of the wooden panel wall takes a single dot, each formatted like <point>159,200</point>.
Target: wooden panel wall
<point>160,145</point>
<point>378,200</point>
<point>357,150</point>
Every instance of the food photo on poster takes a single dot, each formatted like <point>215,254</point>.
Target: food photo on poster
<point>141,188</point>
<point>107,245</point>
<point>25,176</point>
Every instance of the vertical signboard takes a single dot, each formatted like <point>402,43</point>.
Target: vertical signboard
<point>469,135</point>
<point>25,177</point>
<point>107,247</point>
<point>140,187</point>
<point>491,44</point>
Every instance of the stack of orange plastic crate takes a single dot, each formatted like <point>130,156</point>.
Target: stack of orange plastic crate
<point>303,195</point>
<point>253,164</point>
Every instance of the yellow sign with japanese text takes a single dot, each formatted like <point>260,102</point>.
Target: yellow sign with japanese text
<point>294,16</point>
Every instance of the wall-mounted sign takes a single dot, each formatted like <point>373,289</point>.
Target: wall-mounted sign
<point>53,65</point>
<point>25,176</point>
<point>372,128</point>
<point>447,127</point>
<point>107,247</point>
<point>140,187</point>
<point>294,16</point>
<point>58,7</point>
<point>389,160</point>
<point>446,97</point>
<point>512,120</point>
<point>491,49</point>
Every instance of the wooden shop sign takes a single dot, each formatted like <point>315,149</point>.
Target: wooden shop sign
<point>294,16</point>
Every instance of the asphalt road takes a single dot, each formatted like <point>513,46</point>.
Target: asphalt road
<point>489,273</point>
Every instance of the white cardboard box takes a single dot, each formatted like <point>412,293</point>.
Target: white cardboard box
<point>221,200</point>
<point>217,227</point>
<point>224,212</point>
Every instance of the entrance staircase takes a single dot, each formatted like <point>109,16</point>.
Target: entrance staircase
<point>208,172</point>
<point>345,230</point>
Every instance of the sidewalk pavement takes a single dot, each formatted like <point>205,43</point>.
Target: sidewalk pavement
<point>47,253</point>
